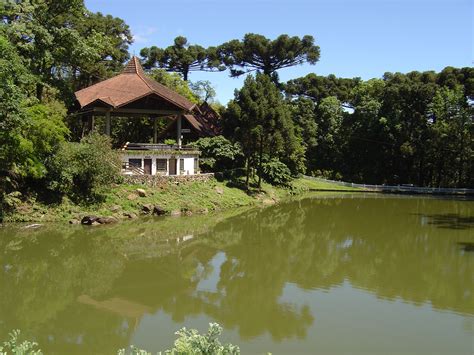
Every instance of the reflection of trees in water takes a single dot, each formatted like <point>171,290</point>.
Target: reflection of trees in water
<point>381,245</point>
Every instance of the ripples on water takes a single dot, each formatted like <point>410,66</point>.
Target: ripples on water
<point>348,273</point>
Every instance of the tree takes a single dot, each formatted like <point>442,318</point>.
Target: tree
<point>260,120</point>
<point>13,118</point>
<point>175,83</point>
<point>316,87</point>
<point>306,127</point>
<point>204,90</point>
<point>218,153</point>
<point>256,52</point>
<point>181,57</point>
<point>83,170</point>
<point>452,149</point>
<point>63,44</point>
<point>329,119</point>
<point>111,53</point>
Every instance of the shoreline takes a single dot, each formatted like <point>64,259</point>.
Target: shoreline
<point>171,198</point>
<point>179,198</point>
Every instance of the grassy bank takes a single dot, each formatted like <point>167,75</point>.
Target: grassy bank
<point>174,198</point>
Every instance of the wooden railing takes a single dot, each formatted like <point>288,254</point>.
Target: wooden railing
<point>135,170</point>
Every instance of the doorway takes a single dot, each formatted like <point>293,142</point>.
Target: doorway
<point>147,166</point>
<point>172,163</point>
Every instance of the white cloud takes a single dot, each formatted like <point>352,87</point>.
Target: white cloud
<point>144,35</point>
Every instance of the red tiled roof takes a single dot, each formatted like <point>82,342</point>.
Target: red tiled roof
<point>130,85</point>
<point>204,121</point>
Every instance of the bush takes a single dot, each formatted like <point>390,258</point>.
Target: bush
<point>191,342</point>
<point>188,342</point>
<point>276,173</point>
<point>218,153</point>
<point>12,346</point>
<point>327,174</point>
<point>83,170</point>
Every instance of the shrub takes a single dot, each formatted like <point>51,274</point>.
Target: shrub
<point>327,174</point>
<point>13,346</point>
<point>276,173</point>
<point>188,342</point>
<point>83,170</point>
<point>191,342</point>
<point>218,153</point>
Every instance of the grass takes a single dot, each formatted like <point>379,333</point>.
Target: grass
<point>315,185</point>
<point>175,198</point>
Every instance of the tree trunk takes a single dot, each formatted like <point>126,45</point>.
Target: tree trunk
<point>247,177</point>
<point>260,158</point>
<point>39,91</point>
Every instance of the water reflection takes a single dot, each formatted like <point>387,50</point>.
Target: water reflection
<point>87,289</point>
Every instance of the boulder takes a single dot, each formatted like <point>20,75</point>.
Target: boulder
<point>130,215</point>
<point>107,220</point>
<point>219,190</point>
<point>147,208</point>
<point>175,213</point>
<point>115,208</point>
<point>74,221</point>
<point>88,220</point>
<point>158,211</point>
<point>141,192</point>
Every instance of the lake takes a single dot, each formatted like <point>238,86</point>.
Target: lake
<point>326,274</point>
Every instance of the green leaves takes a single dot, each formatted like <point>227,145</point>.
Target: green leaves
<point>260,120</point>
<point>182,57</point>
<point>256,52</point>
<point>64,45</point>
<point>83,170</point>
<point>14,346</point>
<point>190,342</point>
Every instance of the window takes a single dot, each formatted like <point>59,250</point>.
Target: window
<point>137,163</point>
<point>196,165</point>
<point>181,164</point>
<point>161,165</point>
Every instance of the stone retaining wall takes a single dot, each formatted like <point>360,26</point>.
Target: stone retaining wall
<point>156,180</point>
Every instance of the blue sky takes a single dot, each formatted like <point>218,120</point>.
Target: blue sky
<point>363,38</point>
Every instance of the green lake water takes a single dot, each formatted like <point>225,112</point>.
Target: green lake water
<point>328,274</point>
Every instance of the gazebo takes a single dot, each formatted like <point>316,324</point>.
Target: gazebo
<point>132,94</point>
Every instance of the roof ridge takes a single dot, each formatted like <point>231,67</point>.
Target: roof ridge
<point>133,66</point>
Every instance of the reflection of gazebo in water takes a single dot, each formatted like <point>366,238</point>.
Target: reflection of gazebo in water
<point>133,94</point>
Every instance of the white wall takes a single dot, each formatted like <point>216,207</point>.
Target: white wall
<point>188,161</point>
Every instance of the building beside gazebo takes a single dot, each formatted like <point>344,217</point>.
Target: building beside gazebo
<point>132,94</point>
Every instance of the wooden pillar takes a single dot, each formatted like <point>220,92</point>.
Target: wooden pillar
<point>155,130</point>
<point>178,126</point>
<point>107,123</point>
<point>91,123</point>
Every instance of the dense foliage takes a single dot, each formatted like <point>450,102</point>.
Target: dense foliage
<point>189,341</point>
<point>414,128</point>
<point>218,154</point>
<point>83,170</point>
<point>182,57</point>
<point>256,52</point>
<point>14,346</point>
<point>260,120</point>
<point>48,49</point>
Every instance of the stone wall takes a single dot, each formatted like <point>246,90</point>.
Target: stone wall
<point>157,180</point>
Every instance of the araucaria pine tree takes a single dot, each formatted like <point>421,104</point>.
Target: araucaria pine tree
<point>261,122</point>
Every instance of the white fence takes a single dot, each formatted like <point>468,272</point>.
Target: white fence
<point>400,188</point>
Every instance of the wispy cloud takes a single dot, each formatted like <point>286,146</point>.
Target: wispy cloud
<point>144,35</point>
